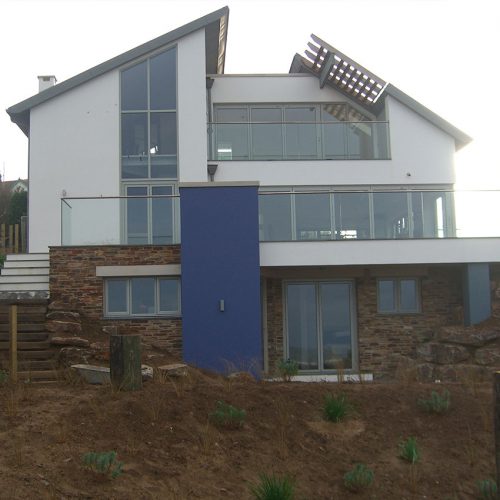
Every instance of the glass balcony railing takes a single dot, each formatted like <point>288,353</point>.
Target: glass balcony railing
<point>376,215</point>
<point>299,141</point>
<point>122,220</point>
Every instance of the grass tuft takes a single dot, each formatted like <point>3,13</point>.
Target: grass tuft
<point>288,369</point>
<point>272,487</point>
<point>337,408</point>
<point>227,416</point>
<point>103,463</point>
<point>359,478</point>
<point>437,403</point>
<point>487,489</point>
<point>408,450</point>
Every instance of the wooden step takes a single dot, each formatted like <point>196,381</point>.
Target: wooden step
<point>41,355</point>
<point>32,365</point>
<point>23,318</point>
<point>25,309</point>
<point>29,346</point>
<point>26,337</point>
<point>24,328</point>
<point>38,375</point>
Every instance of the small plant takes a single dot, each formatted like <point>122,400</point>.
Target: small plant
<point>3,377</point>
<point>103,463</point>
<point>272,487</point>
<point>438,403</point>
<point>227,416</point>
<point>359,478</point>
<point>487,489</point>
<point>288,369</point>
<point>337,408</point>
<point>408,450</point>
<point>2,259</point>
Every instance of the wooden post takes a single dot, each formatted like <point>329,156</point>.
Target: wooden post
<point>13,342</point>
<point>16,238</point>
<point>497,428</point>
<point>11,238</point>
<point>125,362</point>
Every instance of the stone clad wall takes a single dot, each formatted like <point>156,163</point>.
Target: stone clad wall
<point>75,287</point>
<point>383,339</point>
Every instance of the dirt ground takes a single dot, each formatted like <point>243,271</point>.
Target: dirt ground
<point>170,451</point>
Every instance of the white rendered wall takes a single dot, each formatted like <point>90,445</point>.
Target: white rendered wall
<point>74,146</point>
<point>367,252</point>
<point>417,146</point>
<point>192,108</point>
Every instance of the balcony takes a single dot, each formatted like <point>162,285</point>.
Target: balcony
<point>327,214</point>
<point>121,220</point>
<point>293,140</point>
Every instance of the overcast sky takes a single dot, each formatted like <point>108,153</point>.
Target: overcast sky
<point>443,53</point>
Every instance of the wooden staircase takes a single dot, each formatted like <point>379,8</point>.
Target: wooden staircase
<point>36,358</point>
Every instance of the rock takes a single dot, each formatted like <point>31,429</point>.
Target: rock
<point>174,369</point>
<point>243,376</point>
<point>489,355</point>
<point>425,372</point>
<point>110,330</point>
<point>56,326</point>
<point>462,373</point>
<point>100,351</point>
<point>73,355</point>
<point>443,354</point>
<point>468,336</point>
<point>93,374</point>
<point>59,305</point>
<point>147,372</point>
<point>64,316</point>
<point>70,341</point>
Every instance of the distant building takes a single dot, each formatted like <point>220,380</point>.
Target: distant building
<point>19,186</point>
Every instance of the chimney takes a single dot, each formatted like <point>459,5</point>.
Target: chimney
<point>46,81</point>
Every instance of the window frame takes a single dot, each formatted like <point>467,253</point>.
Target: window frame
<point>397,295</point>
<point>128,314</point>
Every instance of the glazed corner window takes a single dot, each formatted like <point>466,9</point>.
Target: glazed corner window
<point>398,296</point>
<point>148,92</point>
<point>142,296</point>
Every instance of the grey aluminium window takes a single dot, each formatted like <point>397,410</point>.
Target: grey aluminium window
<point>398,295</point>
<point>142,296</point>
<point>149,118</point>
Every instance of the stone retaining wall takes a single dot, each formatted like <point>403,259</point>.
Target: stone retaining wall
<point>75,287</point>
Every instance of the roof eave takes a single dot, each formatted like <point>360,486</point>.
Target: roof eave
<point>461,138</point>
<point>19,113</point>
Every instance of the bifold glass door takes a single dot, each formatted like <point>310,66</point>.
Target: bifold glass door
<point>319,325</point>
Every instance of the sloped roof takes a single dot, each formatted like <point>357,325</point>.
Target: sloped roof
<point>215,25</point>
<point>345,75</point>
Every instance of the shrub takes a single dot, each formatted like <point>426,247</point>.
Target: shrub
<point>271,487</point>
<point>408,450</point>
<point>336,408</point>
<point>288,369</point>
<point>103,463</point>
<point>2,259</point>
<point>487,489</point>
<point>438,403</point>
<point>227,416</point>
<point>359,478</point>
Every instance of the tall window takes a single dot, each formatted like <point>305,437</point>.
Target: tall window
<point>149,118</point>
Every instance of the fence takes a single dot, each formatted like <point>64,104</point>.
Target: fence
<point>13,237</point>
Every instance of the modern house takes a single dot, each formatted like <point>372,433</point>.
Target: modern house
<point>245,219</point>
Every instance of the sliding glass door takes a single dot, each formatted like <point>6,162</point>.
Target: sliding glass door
<point>320,325</point>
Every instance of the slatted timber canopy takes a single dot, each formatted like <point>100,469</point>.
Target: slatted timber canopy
<point>336,69</point>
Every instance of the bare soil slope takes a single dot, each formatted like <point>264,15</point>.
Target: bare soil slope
<point>170,450</point>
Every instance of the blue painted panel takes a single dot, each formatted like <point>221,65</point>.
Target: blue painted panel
<point>477,298</point>
<point>220,262</point>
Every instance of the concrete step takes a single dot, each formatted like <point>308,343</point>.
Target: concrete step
<point>21,287</point>
<point>24,271</point>
<point>33,278</point>
<point>27,256</point>
<point>15,264</point>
